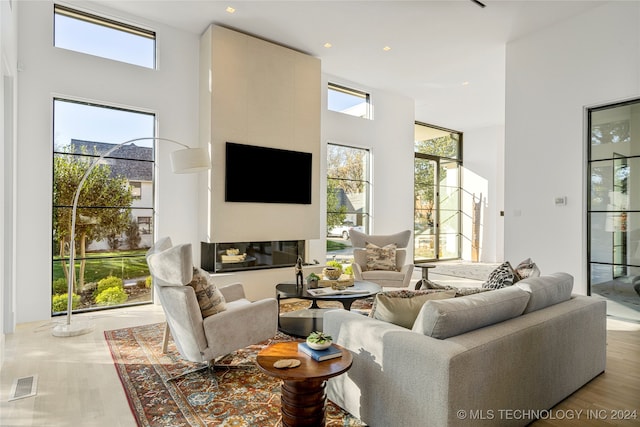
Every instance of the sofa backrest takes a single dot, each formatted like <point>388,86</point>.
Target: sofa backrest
<point>447,318</point>
<point>450,317</point>
<point>546,290</point>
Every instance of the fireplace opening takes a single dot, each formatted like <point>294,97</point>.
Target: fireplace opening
<point>242,256</point>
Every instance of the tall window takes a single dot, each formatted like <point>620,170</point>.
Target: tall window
<point>613,211</point>
<point>348,101</point>
<point>96,35</point>
<point>115,208</point>
<point>348,195</point>
<point>437,194</point>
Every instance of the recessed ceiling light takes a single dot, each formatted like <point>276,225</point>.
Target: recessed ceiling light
<point>229,9</point>
<point>386,48</point>
<point>327,45</point>
<point>465,83</point>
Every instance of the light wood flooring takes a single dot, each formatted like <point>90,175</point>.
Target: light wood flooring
<point>78,384</point>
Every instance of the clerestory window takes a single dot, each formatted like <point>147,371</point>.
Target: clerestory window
<point>100,36</point>
<point>348,101</point>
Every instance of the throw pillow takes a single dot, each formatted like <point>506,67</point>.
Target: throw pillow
<point>402,307</point>
<point>504,275</point>
<point>210,299</point>
<point>527,268</point>
<point>381,258</point>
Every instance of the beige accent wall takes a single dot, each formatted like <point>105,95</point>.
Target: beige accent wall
<point>259,93</point>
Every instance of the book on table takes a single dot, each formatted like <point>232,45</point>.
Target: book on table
<point>328,291</point>
<point>320,355</point>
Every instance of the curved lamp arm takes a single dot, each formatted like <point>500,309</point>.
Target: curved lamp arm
<point>186,160</point>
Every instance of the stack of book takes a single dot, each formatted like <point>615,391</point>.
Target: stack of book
<point>319,355</point>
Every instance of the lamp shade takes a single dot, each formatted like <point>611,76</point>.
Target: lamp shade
<point>190,160</point>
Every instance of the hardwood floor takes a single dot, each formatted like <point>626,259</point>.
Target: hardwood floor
<point>78,384</point>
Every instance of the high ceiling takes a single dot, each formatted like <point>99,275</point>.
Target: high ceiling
<point>449,56</point>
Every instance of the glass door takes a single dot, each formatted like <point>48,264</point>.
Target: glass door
<point>437,195</point>
<point>437,209</point>
<point>425,214</point>
<point>613,211</point>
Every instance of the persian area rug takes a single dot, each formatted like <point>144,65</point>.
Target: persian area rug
<point>242,397</point>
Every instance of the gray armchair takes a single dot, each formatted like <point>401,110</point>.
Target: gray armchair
<point>398,278</point>
<point>200,339</point>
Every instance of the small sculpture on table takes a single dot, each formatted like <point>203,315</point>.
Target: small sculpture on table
<point>299,278</point>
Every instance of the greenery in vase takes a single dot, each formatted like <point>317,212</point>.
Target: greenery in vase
<point>319,337</point>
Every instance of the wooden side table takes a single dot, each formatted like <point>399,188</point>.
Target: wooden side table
<point>303,388</point>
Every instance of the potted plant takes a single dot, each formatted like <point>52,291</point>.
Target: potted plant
<point>319,340</point>
<point>312,280</point>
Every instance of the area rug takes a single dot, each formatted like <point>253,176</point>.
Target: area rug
<point>242,397</point>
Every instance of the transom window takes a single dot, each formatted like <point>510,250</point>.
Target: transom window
<point>348,101</point>
<point>96,35</point>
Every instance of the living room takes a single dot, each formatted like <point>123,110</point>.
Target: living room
<point>550,76</point>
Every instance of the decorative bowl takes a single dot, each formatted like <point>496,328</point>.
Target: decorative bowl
<point>317,346</point>
<point>332,273</point>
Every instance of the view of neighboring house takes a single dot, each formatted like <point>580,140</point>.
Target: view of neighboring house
<point>135,163</point>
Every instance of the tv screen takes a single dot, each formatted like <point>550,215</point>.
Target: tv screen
<point>267,175</point>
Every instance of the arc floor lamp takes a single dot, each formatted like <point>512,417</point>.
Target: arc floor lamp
<point>185,160</point>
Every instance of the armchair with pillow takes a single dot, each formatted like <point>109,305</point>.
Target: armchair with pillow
<point>381,258</point>
<point>205,322</point>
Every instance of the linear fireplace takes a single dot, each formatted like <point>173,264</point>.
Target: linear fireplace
<point>242,256</point>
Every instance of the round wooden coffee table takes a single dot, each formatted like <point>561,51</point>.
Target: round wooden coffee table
<point>303,388</point>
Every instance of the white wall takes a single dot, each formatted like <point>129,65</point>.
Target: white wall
<point>483,173</point>
<point>552,75</point>
<point>171,92</point>
<point>8,106</point>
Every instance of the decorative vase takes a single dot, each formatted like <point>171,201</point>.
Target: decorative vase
<point>317,346</point>
<point>332,273</point>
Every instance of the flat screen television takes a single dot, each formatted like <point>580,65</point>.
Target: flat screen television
<point>266,175</point>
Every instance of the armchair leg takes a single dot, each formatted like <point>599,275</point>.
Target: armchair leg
<point>208,366</point>
<point>165,338</point>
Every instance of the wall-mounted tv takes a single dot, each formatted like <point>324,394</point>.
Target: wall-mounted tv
<point>267,175</point>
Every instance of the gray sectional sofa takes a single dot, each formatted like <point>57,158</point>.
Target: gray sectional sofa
<point>495,358</point>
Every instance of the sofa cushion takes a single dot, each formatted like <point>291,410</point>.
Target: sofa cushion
<point>503,275</point>
<point>546,290</point>
<point>401,307</point>
<point>210,299</point>
<point>381,258</point>
<point>447,318</point>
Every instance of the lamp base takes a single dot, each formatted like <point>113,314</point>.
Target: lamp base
<point>73,329</point>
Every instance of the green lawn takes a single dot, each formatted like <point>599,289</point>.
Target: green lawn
<point>124,264</point>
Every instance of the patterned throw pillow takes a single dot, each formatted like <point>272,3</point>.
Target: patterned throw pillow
<point>210,299</point>
<point>402,307</point>
<point>527,268</point>
<point>504,275</point>
<point>381,258</point>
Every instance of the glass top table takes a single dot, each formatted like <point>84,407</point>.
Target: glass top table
<point>301,323</point>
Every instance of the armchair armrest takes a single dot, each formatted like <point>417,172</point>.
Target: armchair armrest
<point>241,326</point>
<point>232,292</point>
<point>407,270</point>
<point>357,271</point>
